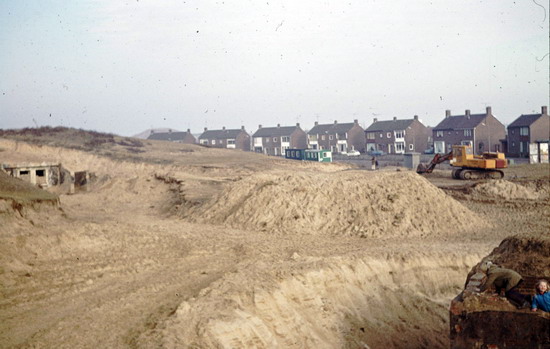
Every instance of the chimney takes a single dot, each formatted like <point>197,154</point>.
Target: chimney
<point>278,125</point>
<point>316,123</point>
<point>374,120</point>
<point>335,122</point>
<point>188,130</point>
<point>395,118</point>
<point>355,121</point>
<point>489,111</point>
<point>447,113</point>
<point>242,127</point>
<point>416,117</point>
<point>205,129</point>
<point>152,131</point>
<point>223,128</point>
<point>467,113</point>
<point>169,130</point>
<point>260,126</point>
<point>297,124</point>
<point>544,110</point>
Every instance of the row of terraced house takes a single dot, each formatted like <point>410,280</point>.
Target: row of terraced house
<point>483,131</point>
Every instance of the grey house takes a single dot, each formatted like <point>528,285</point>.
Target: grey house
<point>224,138</point>
<point>526,129</point>
<point>481,131</point>
<point>397,136</point>
<point>180,137</point>
<point>338,138</point>
<point>275,140</point>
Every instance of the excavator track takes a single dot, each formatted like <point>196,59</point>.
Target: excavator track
<point>467,174</point>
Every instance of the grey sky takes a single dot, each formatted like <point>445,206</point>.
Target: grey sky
<point>126,66</point>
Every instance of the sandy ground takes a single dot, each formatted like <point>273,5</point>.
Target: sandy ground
<point>206,248</point>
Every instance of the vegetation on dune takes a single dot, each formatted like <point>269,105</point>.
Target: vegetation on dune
<point>71,138</point>
<point>21,191</point>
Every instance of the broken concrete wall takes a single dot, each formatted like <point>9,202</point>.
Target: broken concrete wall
<point>490,321</point>
<point>500,329</point>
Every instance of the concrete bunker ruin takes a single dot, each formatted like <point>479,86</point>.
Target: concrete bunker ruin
<point>49,175</point>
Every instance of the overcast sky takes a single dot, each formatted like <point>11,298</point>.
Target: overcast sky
<point>127,66</point>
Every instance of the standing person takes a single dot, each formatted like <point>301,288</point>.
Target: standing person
<point>507,280</point>
<point>541,300</point>
<point>373,163</point>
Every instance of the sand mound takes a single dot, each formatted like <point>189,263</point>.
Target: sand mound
<point>356,203</point>
<point>504,190</point>
<point>527,253</point>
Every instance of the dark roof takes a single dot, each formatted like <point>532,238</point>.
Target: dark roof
<point>168,136</point>
<point>221,134</point>
<point>331,128</point>
<point>458,122</point>
<point>390,125</point>
<point>525,120</point>
<point>275,131</point>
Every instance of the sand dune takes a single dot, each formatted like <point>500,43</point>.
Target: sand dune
<point>218,249</point>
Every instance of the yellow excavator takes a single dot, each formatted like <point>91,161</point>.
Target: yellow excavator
<point>466,165</point>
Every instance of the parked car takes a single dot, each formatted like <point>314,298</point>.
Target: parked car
<point>376,153</point>
<point>353,153</point>
<point>429,151</point>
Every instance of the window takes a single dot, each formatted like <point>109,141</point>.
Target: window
<point>399,147</point>
<point>521,147</point>
<point>370,135</point>
<point>267,140</point>
<point>381,135</point>
<point>213,142</point>
<point>411,146</point>
<point>285,139</point>
<point>274,139</point>
<point>524,131</point>
<point>330,137</point>
<point>230,141</point>
<point>312,138</point>
<point>323,137</point>
<point>388,134</point>
<point>439,134</point>
<point>468,133</point>
<point>204,141</point>
<point>512,131</point>
<point>399,134</point>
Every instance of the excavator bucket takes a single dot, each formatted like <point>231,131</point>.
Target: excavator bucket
<point>421,168</point>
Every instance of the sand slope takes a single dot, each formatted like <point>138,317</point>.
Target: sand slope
<point>355,203</point>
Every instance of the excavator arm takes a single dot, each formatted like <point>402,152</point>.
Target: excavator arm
<point>437,159</point>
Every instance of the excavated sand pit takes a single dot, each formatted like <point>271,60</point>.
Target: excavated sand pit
<point>342,302</point>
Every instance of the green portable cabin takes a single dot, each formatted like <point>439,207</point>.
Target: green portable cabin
<point>320,155</point>
<point>295,154</point>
